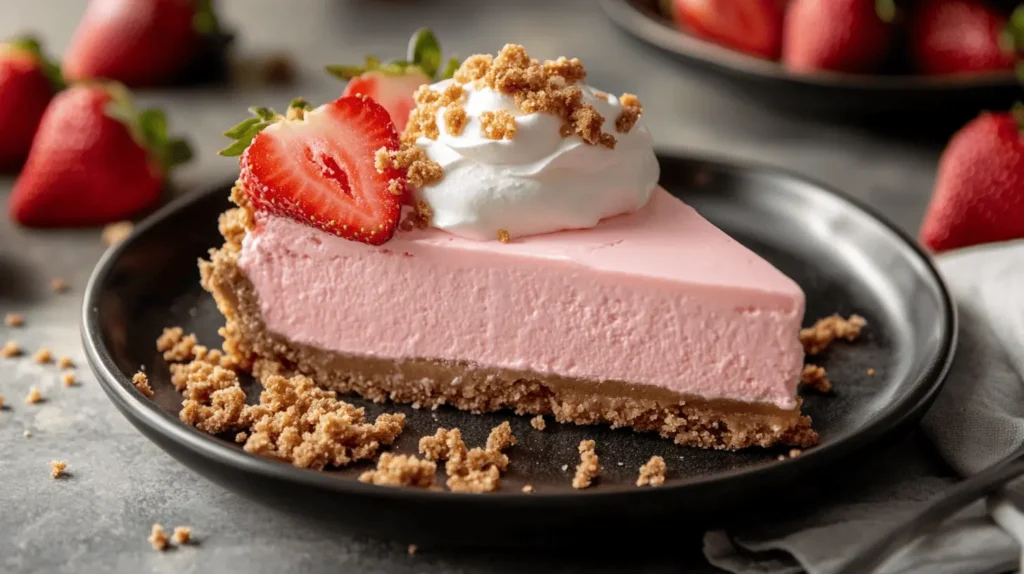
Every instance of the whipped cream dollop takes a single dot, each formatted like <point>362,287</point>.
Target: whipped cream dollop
<point>539,181</point>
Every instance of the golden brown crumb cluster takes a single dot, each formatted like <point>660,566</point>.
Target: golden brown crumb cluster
<point>498,125</point>
<point>42,356</point>
<point>14,320</point>
<point>538,423</point>
<point>65,363</point>
<point>589,467</point>
<point>630,114</point>
<point>455,120</point>
<point>57,468</point>
<point>815,378</point>
<point>295,420</point>
<point>825,331</point>
<point>33,396</point>
<point>141,383</point>
<point>158,538</point>
<point>652,472</point>
<point>504,236</point>
<point>419,169</point>
<point>401,470</point>
<point>175,345</point>
<point>10,349</point>
<point>68,379</point>
<point>470,470</point>
<point>182,534</point>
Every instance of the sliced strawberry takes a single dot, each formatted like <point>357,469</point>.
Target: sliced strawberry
<point>392,92</point>
<point>750,26</point>
<point>317,167</point>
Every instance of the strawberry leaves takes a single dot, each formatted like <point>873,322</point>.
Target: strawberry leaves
<point>148,128</point>
<point>31,46</point>
<point>424,54</point>
<point>244,132</point>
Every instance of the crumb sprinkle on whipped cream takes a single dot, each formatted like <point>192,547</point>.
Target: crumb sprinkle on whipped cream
<point>522,146</point>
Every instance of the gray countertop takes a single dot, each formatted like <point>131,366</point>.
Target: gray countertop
<point>97,519</point>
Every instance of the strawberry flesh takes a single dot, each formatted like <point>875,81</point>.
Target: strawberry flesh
<point>839,35</point>
<point>24,94</point>
<point>393,92</point>
<point>750,26</point>
<point>320,170</point>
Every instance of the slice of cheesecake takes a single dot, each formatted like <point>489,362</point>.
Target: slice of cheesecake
<point>654,320</point>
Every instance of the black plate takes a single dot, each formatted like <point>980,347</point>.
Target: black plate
<point>845,257</point>
<point>825,93</point>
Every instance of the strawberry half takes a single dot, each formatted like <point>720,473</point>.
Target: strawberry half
<point>317,167</point>
<point>750,26</point>
<point>392,84</point>
<point>27,83</point>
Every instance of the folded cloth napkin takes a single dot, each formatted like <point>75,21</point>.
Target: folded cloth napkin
<point>977,420</point>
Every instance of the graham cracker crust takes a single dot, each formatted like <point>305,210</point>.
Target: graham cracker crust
<point>715,424</point>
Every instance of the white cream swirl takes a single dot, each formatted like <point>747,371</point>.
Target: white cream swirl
<point>537,182</point>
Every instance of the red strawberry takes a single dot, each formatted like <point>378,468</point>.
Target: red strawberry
<point>95,159</point>
<point>27,83</point>
<point>750,26</point>
<point>137,42</point>
<point>953,36</point>
<point>318,167</point>
<point>839,35</point>
<point>979,189</point>
<point>392,84</point>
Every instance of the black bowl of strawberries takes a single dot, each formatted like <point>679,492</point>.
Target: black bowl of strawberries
<point>843,57</point>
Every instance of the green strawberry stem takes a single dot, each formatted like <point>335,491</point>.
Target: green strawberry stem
<point>424,54</point>
<point>886,10</point>
<point>148,128</point>
<point>244,132</point>
<point>205,19</point>
<point>51,69</point>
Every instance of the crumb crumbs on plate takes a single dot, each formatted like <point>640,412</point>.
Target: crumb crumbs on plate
<point>114,233</point>
<point>504,236</point>
<point>565,467</point>
<point>182,534</point>
<point>793,453</point>
<point>141,383</point>
<point>10,349</point>
<point>871,372</point>
<point>589,467</point>
<point>815,377</point>
<point>65,363</point>
<point>411,549</point>
<point>824,332</point>
<point>43,356</point>
<point>68,379</point>
<point>33,396</point>
<point>528,489</point>
<point>14,320</point>
<point>652,472</point>
<point>57,468</point>
<point>241,437</point>
<point>158,538</point>
<point>538,423</point>
<point>473,470</point>
<point>58,285</point>
<point>401,470</point>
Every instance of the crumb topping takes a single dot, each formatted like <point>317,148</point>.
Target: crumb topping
<point>652,473</point>
<point>498,125</point>
<point>420,170</point>
<point>825,331</point>
<point>538,423</point>
<point>10,349</point>
<point>141,383</point>
<point>814,377</point>
<point>57,468</point>
<point>68,379</point>
<point>631,112</point>
<point>455,120</point>
<point>42,356</point>
<point>589,467</point>
<point>158,538</point>
<point>182,534</point>
<point>114,233</point>
<point>58,285</point>
<point>504,236</point>
<point>33,396</point>
<point>14,320</point>
<point>401,470</point>
<point>396,187</point>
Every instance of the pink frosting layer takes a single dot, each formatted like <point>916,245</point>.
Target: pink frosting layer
<point>658,297</point>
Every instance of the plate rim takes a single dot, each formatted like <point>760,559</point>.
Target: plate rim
<point>142,411</point>
<point>637,23</point>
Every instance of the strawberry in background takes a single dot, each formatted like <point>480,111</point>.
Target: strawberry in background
<point>840,35</point>
<point>960,36</point>
<point>392,84</point>
<point>750,26</point>
<point>138,42</point>
<point>979,188</point>
<point>27,83</point>
<point>94,159</point>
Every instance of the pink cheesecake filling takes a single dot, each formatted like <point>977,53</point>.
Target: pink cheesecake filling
<point>658,297</point>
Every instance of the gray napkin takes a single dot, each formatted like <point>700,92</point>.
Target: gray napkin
<point>977,419</point>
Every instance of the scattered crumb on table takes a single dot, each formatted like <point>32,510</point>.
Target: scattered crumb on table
<point>65,363</point>
<point>141,382</point>
<point>33,396</point>
<point>26,433</point>
<point>1,401</point>
<point>589,467</point>
<point>10,349</point>
<point>42,356</point>
<point>652,473</point>
<point>14,320</point>
<point>814,377</point>
<point>182,534</point>
<point>871,372</point>
<point>68,379</point>
<point>158,538</point>
<point>114,233</point>
<point>58,285</point>
<point>57,468</point>
<point>538,423</point>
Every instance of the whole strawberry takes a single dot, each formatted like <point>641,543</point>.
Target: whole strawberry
<point>750,26</point>
<point>840,35</point>
<point>392,84</point>
<point>138,42</point>
<point>979,189</point>
<point>27,83</point>
<point>95,159</point>
<point>960,36</point>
